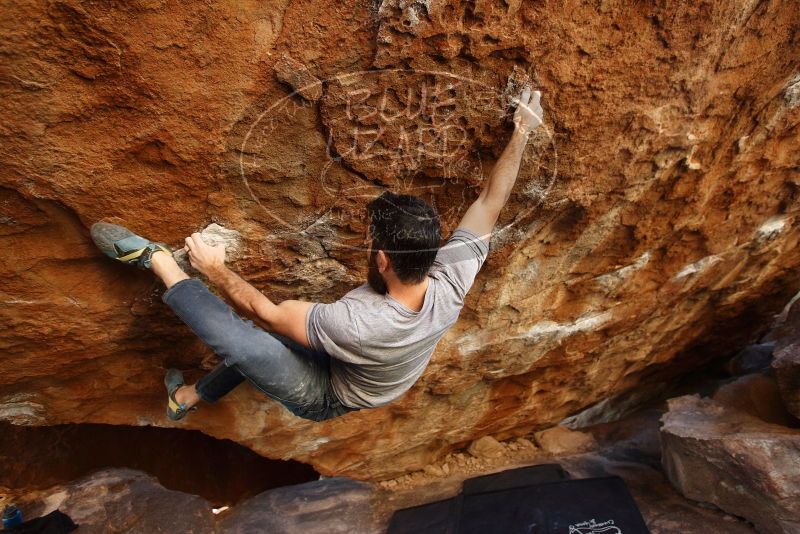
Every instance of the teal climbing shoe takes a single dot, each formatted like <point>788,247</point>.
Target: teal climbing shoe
<point>123,245</point>
<point>175,410</point>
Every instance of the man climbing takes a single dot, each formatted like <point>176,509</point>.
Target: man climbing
<point>362,351</point>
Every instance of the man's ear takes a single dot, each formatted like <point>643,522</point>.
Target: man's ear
<point>383,261</point>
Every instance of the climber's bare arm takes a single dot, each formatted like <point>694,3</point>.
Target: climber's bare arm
<point>483,213</point>
<point>287,318</point>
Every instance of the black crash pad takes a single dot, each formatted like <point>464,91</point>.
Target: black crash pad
<point>530,500</point>
<point>587,506</point>
<point>441,517</point>
<point>515,478</point>
<point>432,518</point>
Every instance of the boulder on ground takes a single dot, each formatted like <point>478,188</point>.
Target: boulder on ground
<point>561,440</point>
<point>486,447</point>
<point>751,359</point>
<point>745,466</point>
<point>787,369</point>
<point>786,362</point>
<point>756,394</point>
<point>124,500</point>
<point>326,506</point>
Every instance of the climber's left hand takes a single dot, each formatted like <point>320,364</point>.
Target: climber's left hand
<point>528,115</point>
<point>203,257</point>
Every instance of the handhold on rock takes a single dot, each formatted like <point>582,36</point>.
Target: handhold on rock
<point>214,235</point>
<point>298,77</point>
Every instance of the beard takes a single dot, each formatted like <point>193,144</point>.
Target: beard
<point>374,277</point>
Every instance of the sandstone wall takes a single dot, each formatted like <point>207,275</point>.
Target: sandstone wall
<point>652,226</point>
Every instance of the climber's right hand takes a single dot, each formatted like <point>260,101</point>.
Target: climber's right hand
<point>205,258</point>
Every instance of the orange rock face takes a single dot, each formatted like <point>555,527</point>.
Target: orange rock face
<point>652,225</point>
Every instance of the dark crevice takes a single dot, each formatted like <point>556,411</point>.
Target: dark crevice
<point>219,470</point>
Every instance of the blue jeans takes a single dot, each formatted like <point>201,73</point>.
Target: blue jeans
<point>282,369</point>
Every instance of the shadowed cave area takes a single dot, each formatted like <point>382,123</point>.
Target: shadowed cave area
<point>219,470</point>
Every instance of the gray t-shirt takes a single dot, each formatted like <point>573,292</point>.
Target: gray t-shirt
<point>378,346</point>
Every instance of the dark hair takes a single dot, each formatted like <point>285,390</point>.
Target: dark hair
<point>406,228</point>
